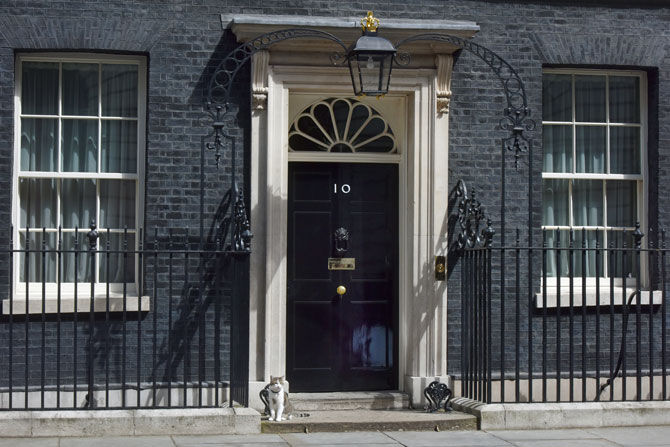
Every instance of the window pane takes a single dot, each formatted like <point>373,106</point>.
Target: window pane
<point>76,260</point>
<point>557,260</point>
<point>624,99</point>
<point>587,202</point>
<point>80,146</point>
<point>590,98</point>
<point>117,204</point>
<point>41,264</point>
<point>39,88</point>
<point>625,150</point>
<point>77,203</point>
<point>621,203</point>
<point>119,146</point>
<point>113,264</point>
<point>119,90</point>
<point>39,150</point>
<point>590,149</point>
<point>555,202</point>
<point>621,263</point>
<point>557,147</point>
<point>80,89</point>
<point>585,260</point>
<point>38,203</point>
<point>557,97</point>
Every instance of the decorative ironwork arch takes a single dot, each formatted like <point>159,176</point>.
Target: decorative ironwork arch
<point>516,116</point>
<point>224,74</point>
<point>515,120</point>
<point>218,97</point>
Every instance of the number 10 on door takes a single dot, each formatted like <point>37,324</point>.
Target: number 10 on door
<point>344,189</point>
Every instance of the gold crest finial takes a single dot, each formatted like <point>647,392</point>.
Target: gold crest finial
<point>370,23</point>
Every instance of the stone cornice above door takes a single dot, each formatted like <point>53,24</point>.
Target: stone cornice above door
<point>311,52</point>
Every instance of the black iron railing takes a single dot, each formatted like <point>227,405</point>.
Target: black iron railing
<point>103,319</point>
<point>580,318</point>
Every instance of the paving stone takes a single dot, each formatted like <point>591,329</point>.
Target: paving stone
<point>17,442</point>
<point>118,441</point>
<point>236,440</point>
<point>359,445</point>
<point>563,443</point>
<point>530,435</point>
<point>367,438</point>
<point>456,438</point>
<point>241,444</point>
<point>635,436</point>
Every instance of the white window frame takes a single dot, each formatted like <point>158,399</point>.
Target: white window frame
<point>51,291</point>
<point>642,199</point>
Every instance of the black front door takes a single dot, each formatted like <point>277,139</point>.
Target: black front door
<point>342,342</point>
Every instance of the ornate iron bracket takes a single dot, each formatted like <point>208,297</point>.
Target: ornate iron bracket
<point>438,395</point>
<point>216,114</point>
<point>241,229</point>
<point>516,116</point>
<point>470,218</point>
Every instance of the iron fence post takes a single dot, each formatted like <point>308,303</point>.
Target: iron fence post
<point>92,245</point>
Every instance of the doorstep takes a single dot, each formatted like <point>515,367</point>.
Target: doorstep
<point>189,421</point>
<point>536,416</point>
<point>371,420</point>
<point>349,400</point>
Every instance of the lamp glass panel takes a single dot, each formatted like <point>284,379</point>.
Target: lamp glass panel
<point>372,71</point>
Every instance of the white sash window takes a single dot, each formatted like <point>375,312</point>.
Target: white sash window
<point>79,158</point>
<point>594,145</point>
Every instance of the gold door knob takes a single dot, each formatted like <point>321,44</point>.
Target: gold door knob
<point>341,290</point>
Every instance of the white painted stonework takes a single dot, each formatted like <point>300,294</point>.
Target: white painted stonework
<point>410,108</point>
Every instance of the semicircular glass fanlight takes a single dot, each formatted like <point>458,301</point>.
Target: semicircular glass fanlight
<point>341,125</point>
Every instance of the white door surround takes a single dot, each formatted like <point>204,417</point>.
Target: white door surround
<point>423,220</point>
<point>289,77</point>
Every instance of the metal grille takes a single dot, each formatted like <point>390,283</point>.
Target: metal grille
<point>176,336</point>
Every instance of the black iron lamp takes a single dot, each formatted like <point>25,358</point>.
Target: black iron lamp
<point>370,59</point>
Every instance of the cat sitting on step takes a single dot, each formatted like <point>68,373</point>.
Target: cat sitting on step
<point>280,409</point>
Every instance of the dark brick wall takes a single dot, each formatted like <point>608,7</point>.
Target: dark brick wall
<point>183,43</point>
<point>531,36</point>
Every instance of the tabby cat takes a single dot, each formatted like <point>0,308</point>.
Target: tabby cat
<point>280,409</point>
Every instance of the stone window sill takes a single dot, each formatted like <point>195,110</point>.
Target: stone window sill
<point>617,296</point>
<point>133,303</point>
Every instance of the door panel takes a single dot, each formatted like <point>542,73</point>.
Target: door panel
<point>313,334</point>
<point>310,245</point>
<point>342,343</point>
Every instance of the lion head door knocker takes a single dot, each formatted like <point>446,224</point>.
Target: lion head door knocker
<point>341,241</point>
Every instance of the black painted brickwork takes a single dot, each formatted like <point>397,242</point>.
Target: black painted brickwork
<point>183,42</point>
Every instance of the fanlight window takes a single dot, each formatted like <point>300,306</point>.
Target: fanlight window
<point>341,125</point>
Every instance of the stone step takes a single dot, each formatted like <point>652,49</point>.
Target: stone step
<point>372,420</point>
<point>358,400</point>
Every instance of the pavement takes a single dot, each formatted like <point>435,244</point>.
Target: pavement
<point>596,437</point>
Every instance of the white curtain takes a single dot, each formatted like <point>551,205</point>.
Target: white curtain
<point>585,198</point>
<point>39,198</point>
